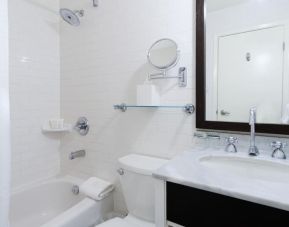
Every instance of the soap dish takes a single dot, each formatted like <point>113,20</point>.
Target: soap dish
<point>66,128</point>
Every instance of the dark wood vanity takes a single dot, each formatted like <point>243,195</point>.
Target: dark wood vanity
<point>192,207</point>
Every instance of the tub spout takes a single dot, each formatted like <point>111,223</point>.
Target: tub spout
<point>77,154</point>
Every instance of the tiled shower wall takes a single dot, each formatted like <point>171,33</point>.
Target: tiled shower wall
<point>102,61</point>
<point>4,116</point>
<point>34,88</point>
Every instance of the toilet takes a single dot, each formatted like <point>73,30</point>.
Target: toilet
<point>135,173</point>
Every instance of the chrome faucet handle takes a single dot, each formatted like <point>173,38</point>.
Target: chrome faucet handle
<point>231,146</point>
<point>278,150</point>
<point>278,145</point>
<point>231,140</point>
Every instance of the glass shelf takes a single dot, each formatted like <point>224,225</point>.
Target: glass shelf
<point>189,108</point>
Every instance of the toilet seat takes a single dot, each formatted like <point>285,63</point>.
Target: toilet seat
<point>129,221</point>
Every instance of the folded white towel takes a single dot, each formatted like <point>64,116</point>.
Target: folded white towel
<point>96,188</point>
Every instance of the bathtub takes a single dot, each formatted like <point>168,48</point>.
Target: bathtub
<point>53,204</point>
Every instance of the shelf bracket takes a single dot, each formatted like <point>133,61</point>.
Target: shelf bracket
<point>189,109</point>
<point>122,107</point>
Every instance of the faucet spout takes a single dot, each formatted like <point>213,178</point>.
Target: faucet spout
<point>77,154</point>
<point>253,149</point>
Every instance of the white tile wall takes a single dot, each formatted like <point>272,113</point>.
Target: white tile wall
<point>4,117</point>
<point>34,88</point>
<point>102,61</point>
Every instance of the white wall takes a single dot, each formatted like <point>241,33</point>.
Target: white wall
<point>243,17</point>
<point>102,61</point>
<point>34,88</point>
<point>4,117</point>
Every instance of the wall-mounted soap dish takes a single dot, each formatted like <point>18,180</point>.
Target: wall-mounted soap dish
<point>47,128</point>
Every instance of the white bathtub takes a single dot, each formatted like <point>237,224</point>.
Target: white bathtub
<point>53,204</point>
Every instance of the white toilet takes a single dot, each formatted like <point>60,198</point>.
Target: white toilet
<point>138,187</point>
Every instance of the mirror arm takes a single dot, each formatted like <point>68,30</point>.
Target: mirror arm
<point>182,76</point>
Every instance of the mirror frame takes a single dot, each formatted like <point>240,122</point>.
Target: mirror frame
<point>201,122</point>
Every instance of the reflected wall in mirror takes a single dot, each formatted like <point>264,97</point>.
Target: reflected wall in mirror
<point>247,61</point>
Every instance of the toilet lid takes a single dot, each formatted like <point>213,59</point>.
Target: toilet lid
<point>127,222</point>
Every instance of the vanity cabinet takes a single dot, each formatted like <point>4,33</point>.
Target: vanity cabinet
<point>192,207</point>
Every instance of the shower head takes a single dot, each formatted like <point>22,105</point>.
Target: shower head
<point>71,17</point>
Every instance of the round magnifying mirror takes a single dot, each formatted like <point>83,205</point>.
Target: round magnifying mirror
<point>163,54</point>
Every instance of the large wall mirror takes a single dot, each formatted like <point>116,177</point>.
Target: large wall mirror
<point>243,62</point>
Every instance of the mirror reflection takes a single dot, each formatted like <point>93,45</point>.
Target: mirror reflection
<point>247,62</point>
<point>163,54</point>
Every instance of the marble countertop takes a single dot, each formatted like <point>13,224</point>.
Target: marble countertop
<point>270,188</point>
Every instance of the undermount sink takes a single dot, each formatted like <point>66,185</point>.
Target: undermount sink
<point>247,167</point>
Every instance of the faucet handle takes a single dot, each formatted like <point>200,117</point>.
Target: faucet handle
<point>231,140</point>
<point>278,145</point>
<point>231,147</point>
<point>278,150</point>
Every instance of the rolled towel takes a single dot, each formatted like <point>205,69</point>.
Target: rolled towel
<point>96,188</point>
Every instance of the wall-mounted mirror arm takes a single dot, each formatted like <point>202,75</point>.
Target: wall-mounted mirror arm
<point>182,76</point>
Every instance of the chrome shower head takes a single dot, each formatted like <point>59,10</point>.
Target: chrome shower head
<point>71,17</point>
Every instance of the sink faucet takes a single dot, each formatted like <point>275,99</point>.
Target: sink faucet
<point>253,150</point>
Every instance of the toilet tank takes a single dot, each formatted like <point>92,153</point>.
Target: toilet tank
<point>138,184</point>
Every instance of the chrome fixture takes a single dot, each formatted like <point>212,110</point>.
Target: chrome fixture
<point>201,135</point>
<point>122,107</point>
<point>231,146</point>
<point>182,76</point>
<point>225,113</point>
<point>248,56</point>
<point>71,17</point>
<point>95,3</point>
<point>120,171</point>
<point>77,154</point>
<point>82,126</point>
<point>278,150</point>
<point>164,55</point>
<point>75,189</point>
<point>253,150</point>
<point>189,108</point>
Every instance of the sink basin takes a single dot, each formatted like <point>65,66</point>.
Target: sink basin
<point>247,167</point>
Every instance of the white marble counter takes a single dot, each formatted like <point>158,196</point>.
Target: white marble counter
<point>270,187</point>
